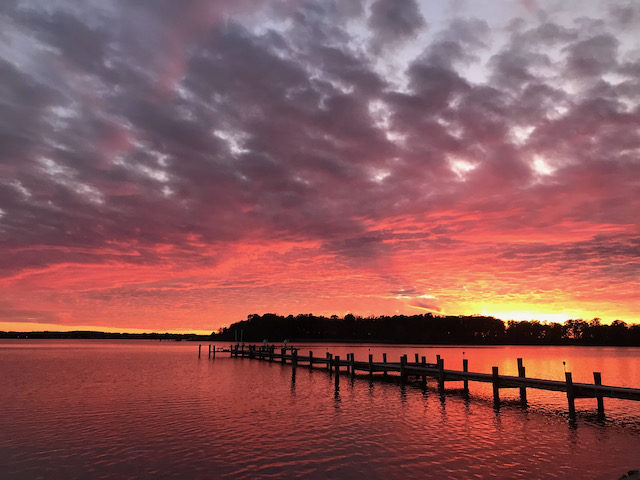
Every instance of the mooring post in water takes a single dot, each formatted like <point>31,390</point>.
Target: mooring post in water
<point>384,360</point>
<point>465,368</point>
<point>523,390</point>
<point>310,359</point>
<point>597,379</point>
<point>214,351</point>
<point>294,358</point>
<point>424,374</point>
<point>353,365</point>
<point>199,348</point>
<point>440,373</point>
<point>330,362</point>
<point>570,395</point>
<point>337,368</point>
<point>283,353</point>
<point>371,365</point>
<point>403,364</point>
<point>496,386</point>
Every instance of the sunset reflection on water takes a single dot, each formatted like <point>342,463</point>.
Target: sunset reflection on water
<point>86,409</point>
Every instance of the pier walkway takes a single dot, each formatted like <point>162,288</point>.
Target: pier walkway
<point>420,369</point>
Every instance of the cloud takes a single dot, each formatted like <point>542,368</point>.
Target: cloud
<point>156,135</point>
<point>392,21</point>
<point>425,305</point>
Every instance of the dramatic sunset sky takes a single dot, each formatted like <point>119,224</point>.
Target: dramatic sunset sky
<point>177,165</point>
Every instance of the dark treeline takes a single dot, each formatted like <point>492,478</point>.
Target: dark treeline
<point>88,334</point>
<point>429,329</point>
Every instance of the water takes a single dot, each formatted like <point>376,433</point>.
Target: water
<point>135,409</point>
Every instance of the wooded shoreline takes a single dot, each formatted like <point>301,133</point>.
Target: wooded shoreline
<point>428,329</point>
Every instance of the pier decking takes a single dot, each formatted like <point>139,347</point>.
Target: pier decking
<point>421,370</point>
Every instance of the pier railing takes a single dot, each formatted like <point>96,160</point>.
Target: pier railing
<point>421,369</point>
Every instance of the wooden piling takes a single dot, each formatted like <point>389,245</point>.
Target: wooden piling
<point>424,375</point>
<point>330,362</point>
<point>440,373</point>
<point>597,379</point>
<point>199,349</point>
<point>403,365</point>
<point>370,365</point>
<point>570,395</point>
<point>283,353</point>
<point>337,368</point>
<point>496,386</point>
<point>214,351</point>
<point>384,360</point>
<point>294,358</point>
<point>353,364</point>
<point>523,390</point>
<point>417,358</point>
<point>465,383</point>
<point>310,360</point>
<point>209,351</point>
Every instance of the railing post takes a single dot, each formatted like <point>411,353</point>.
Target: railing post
<point>440,373</point>
<point>403,364</point>
<point>271,348</point>
<point>570,395</point>
<point>337,368</point>
<point>283,352</point>
<point>496,386</point>
<point>597,379</point>
<point>330,362</point>
<point>417,358</point>
<point>523,390</point>
<point>370,365</point>
<point>353,364</point>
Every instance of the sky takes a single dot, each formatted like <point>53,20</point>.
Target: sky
<point>177,166</point>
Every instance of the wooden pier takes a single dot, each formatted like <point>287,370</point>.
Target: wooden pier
<point>420,370</point>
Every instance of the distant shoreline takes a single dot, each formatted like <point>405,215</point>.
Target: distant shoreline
<point>187,337</point>
<point>91,335</point>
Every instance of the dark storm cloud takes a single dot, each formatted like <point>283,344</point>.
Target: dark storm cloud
<point>132,125</point>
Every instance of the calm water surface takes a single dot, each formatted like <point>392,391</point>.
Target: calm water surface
<point>136,409</point>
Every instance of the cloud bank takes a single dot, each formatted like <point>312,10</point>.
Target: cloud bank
<point>188,163</point>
